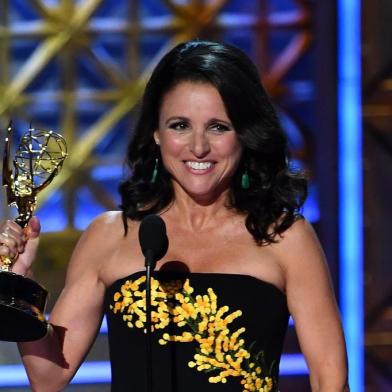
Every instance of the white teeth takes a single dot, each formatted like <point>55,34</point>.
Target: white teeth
<point>199,165</point>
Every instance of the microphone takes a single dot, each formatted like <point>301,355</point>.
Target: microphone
<point>154,244</point>
<point>153,239</point>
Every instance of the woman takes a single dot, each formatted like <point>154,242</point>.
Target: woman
<point>209,157</point>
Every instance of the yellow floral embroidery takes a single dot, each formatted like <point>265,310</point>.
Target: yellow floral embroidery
<point>220,351</point>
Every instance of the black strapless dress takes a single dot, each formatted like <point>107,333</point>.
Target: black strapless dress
<point>211,332</point>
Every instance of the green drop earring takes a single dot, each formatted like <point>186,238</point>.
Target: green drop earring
<point>155,172</point>
<point>245,181</point>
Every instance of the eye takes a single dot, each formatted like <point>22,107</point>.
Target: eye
<point>179,125</point>
<point>219,127</point>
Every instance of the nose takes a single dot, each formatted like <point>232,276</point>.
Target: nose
<point>200,145</point>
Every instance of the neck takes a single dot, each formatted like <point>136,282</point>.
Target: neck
<point>197,213</point>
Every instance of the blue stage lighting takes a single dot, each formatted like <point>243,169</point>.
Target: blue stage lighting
<point>350,185</point>
<point>99,372</point>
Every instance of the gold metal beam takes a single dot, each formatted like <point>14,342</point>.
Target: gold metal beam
<point>67,22</point>
<point>45,52</point>
<point>82,149</point>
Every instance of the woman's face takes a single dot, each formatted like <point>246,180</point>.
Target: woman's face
<point>199,146</point>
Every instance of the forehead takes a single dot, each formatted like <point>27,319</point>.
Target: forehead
<point>192,98</point>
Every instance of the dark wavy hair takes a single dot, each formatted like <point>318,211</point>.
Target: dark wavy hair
<point>276,193</point>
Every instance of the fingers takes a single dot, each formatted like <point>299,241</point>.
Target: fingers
<point>8,253</point>
<point>33,228</point>
<point>12,239</point>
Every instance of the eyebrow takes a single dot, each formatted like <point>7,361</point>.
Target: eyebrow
<point>176,118</point>
<point>210,121</point>
<point>220,121</point>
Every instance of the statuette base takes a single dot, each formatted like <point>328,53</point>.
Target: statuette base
<point>22,305</point>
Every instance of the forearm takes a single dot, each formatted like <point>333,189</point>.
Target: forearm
<point>46,367</point>
<point>332,388</point>
<point>329,383</point>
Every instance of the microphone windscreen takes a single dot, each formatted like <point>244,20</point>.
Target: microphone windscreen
<point>152,236</point>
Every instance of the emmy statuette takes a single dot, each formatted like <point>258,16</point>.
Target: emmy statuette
<point>37,160</point>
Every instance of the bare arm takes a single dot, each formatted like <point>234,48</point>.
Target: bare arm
<point>52,361</point>
<point>312,304</point>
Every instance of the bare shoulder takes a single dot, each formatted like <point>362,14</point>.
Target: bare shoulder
<point>97,243</point>
<point>108,222</point>
<point>300,230</point>
<point>107,228</point>
<point>299,246</point>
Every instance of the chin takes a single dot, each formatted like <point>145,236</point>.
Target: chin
<point>202,190</point>
<point>204,195</point>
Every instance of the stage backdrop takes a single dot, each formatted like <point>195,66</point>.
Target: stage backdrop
<point>79,68</point>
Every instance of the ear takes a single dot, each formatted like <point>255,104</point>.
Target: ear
<point>156,138</point>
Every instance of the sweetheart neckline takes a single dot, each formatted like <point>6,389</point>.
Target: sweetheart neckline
<point>216,274</point>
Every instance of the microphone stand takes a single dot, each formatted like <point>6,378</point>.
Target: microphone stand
<point>154,244</point>
<point>149,264</point>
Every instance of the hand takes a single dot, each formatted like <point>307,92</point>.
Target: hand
<point>20,244</point>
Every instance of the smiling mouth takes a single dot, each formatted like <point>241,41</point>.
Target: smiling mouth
<point>194,165</point>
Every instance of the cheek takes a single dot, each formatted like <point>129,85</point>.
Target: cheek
<point>171,147</point>
<point>230,147</point>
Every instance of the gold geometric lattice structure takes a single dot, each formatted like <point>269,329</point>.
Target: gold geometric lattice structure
<point>47,56</point>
